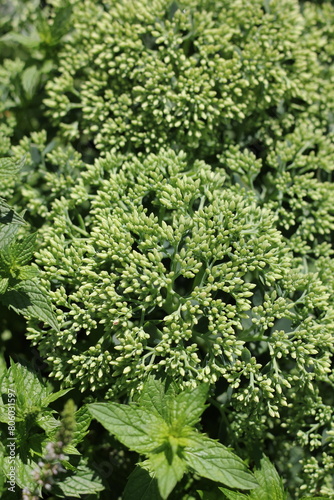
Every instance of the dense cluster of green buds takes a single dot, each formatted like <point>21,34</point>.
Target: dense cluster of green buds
<point>156,266</point>
<point>183,192</point>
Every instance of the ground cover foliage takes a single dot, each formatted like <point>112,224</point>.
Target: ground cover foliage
<point>166,248</point>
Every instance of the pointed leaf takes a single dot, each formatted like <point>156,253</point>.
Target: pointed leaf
<point>213,461</point>
<point>7,233</point>
<point>54,396</point>
<point>29,299</point>
<point>47,421</point>
<point>3,285</point>
<point>189,406</point>
<point>270,484</point>
<point>23,472</point>
<point>83,482</point>
<point>83,419</point>
<point>22,253</point>
<point>168,469</point>
<point>28,273</point>
<point>137,429</point>
<point>8,215</point>
<point>153,397</point>
<point>69,449</point>
<point>141,486</point>
<point>29,389</point>
<point>30,80</point>
<point>8,168</point>
<point>234,495</point>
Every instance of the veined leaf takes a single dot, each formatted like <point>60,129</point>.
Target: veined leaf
<point>29,390</point>
<point>234,495</point>
<point>141,486</point>
<point>7,233</point>
<point>54,396</point>
<point>29,299</point>
<point>213,461</point>
<point>83,419</point>
<point>69,449</point>
<point>46,420</point>
<point>182,409</point>
<point>134,427</point>
<point>21,253</point>
<point>3,285</point>
<point>8,215</point>
<point>168,469</point>
<point>270,484</point>
<point>30,80</point>
<point>23,472</point>
<point>27,273</point>
<point>189,406</point>
<point>8,168</point>
<point>153,398</point>
<point>83,482</point>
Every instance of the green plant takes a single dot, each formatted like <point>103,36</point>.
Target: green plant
<point>191,74</point>
<point>158,267</point>
<point>178,182</point>
<point>161,426</point>
<point>19,288</point>
<point>270,487</point>
<point>36,443</point>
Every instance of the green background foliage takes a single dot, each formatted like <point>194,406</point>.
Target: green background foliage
<point>166,183</point>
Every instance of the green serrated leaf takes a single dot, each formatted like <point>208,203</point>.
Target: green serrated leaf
<point>30,80</point>
<point>8,215</point>
<point>24,251</point>
<point>8,168</point>
<point>270,484</point>
<point>168,469</point>
<point>83,482</point>
<point>234,495</point>
<point>213,461</point>
<point>141,486</point>
<point>30,391</point>
<point>29,299</point>
<point>68,466</point>
<point>134,427</point>
<point>83,419</point>
<point>71,450</point>
<point>28,273</point>
<point>54,396</point>
<point>189,406</point>
<point>7,233</point>
<point>46,421</point>
<point>3,285</point>
<point>23,471</point>
<point>153,397</point>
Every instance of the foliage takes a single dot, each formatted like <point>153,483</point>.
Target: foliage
<point>269,487</point>
<point>186,73</point>
<point>37,435</point>
<point>19,288</point>
<point>166,181</point>
<point>161,427</point>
